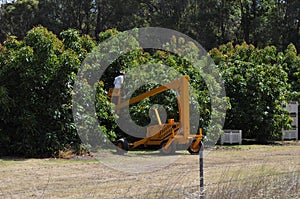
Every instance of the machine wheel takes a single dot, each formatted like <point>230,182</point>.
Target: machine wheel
<point>122,146</point>
<point>170,150</point>
<point>194,150</point>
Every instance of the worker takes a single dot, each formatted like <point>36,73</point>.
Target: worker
<point>119,80</point>
<point>116,98</point>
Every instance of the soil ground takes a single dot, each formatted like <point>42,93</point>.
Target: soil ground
<point>146,174</point>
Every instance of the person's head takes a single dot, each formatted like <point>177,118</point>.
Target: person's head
<point>121,73</point>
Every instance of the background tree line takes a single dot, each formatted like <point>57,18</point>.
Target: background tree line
<point>211,22</point>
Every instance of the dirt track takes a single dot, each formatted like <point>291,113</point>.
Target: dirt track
<point>86,177</point>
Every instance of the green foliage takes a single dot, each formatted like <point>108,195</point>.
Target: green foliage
<point>290,61</point>
<point>211,22</point>
<point>258,88</point>
<point>18,17</point>
<point>107,34</point>
<point>37,77</point>
<point>139,112</point>
<point>104,111</point>
<point>81,45</point>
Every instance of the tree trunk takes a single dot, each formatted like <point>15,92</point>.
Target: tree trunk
<point>99,20</point>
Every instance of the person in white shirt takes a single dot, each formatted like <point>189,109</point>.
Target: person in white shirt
<point>119,80</point>
<point>116,98</point>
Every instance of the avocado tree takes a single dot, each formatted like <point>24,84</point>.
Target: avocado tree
<point>258,88</point>
<point>37,76</point>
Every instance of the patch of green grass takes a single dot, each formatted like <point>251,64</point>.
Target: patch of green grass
<point>11,161</point>
<point>64,161</point>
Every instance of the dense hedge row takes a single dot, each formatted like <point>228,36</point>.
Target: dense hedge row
<point>259,82</point>
<point>37,76</point>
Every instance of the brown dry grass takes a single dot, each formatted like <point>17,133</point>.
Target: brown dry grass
<point>230,172</point>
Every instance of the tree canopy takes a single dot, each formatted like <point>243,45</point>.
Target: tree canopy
<point>211,23</point>
<point>257,85</point>
<point>37,77</point>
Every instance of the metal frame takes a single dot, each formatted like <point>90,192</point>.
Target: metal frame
<point>169,132</point>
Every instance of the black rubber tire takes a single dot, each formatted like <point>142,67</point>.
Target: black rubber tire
<point>170,151</point>
<point>192,151</point>
<point>122,146</point>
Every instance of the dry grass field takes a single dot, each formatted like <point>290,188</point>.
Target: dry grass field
<point>246,171</point>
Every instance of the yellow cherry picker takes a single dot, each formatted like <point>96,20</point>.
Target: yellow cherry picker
<point>164,135</point>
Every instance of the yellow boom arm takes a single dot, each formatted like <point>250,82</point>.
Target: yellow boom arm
<point>180,84</point>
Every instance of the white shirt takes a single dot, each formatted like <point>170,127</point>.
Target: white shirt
<point>119,81</point>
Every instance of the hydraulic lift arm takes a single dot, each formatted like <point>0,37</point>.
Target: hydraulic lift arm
<point>182,85</point>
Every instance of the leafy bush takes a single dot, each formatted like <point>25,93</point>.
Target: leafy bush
<point>37,77</point>
<point>258,88</point>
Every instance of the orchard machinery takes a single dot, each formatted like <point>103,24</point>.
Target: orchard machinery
<point>164,135</point>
